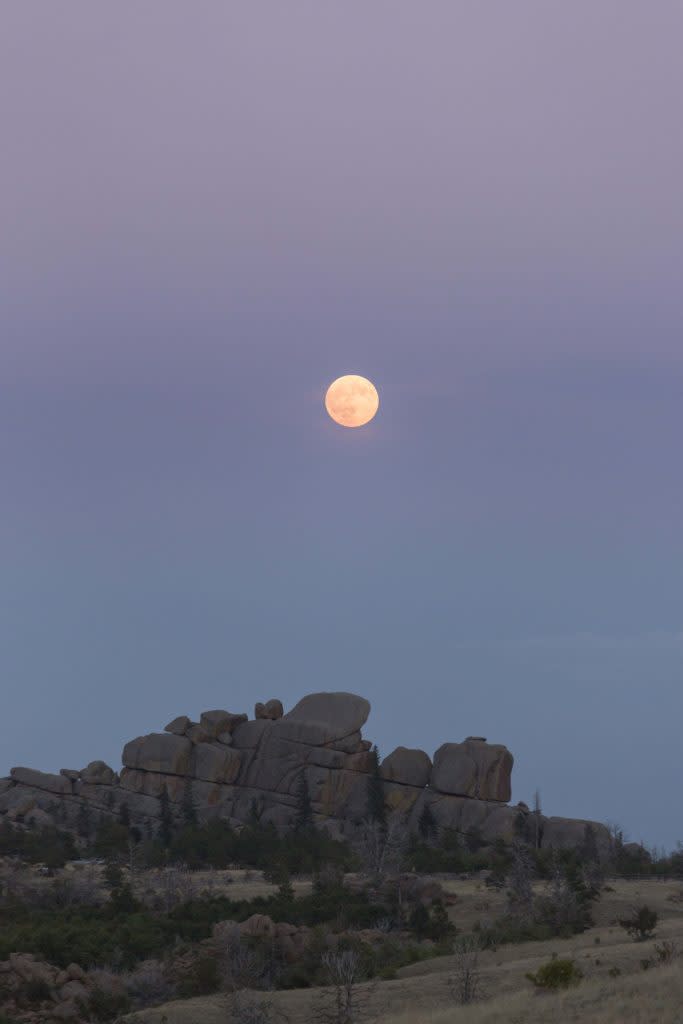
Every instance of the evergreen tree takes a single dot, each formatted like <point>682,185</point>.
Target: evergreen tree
<point>375,793</point>
<point>427,826</point>
<point>166,818</point>
<point>84,821</point>
<point>189,809</point>
<point>304,808</point>
<point>113,876</point>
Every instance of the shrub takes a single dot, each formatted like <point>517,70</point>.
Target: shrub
<point>666,951</point>
<point>103,1005</point>
<point>642,924</point>
<point>202,979</point>
<point>556,974</point>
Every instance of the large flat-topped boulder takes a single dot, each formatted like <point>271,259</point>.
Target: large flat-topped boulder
<point>42,780</point>
<point>322,718</point>
<point>408,766</point>
<point>474,769</point>
<point>159,752</point>
<point>570,833</point>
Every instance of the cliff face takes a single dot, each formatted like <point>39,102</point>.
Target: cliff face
<point>234,767</point>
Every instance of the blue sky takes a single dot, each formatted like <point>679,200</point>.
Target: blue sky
<point>209,212</point>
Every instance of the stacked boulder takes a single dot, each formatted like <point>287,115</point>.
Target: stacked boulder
<point>233,767</point>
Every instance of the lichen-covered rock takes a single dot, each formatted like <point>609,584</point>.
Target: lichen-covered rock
<point>159,752</point>
<point>474,769</point>
<point>408,766</point>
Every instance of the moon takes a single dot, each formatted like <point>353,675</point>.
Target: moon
<point>352,401</point>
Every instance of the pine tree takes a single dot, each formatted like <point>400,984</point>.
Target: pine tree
<point>376,809</point>
<point>166,818</point>
<point>427,826</point>
<point>113,876</point>
<point>304,808</point>
<point>189,809</point>
<point>84,821</point>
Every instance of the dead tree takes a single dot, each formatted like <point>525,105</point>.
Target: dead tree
<point>345,1001</point>
<point>382,848</point>
<point>520,894</point>
<point>465,982</point>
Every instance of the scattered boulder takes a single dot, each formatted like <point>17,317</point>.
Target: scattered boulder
<point>258,926</point>
<point>408,766</point>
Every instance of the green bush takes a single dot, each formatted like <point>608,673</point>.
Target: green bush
<point>203,978</point>
<point>104,1006</point>
<point>642,924</point>
<point>555,975</point>
<point>45,845</point>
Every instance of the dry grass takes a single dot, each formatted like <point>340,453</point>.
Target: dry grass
<point>421,994</point>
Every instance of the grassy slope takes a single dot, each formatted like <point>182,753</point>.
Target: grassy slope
<point>421,994</point>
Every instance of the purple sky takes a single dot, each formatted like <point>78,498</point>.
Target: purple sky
<point>210,210</point>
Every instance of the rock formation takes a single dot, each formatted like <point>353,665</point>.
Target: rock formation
<point>234,767</point>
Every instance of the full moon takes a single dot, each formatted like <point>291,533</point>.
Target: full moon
<point>352,401</point>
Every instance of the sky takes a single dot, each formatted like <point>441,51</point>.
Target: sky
<point>209,211</point>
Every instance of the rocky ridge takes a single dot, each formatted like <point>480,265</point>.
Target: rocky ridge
<point>233,767</point>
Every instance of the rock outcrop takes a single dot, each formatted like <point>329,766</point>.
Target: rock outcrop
<point>235,768</point>
<point>474,768</point>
